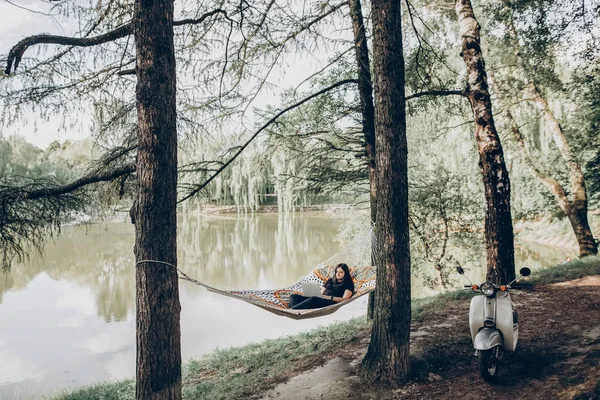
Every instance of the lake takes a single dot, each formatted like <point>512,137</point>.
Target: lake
<point>67,318</point>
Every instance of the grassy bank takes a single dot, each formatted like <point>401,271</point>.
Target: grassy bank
<point>241,372</point>
<point>237,373</point>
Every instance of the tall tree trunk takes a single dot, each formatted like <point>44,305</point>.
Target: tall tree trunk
<point>577,209</point>
<point>158,362</point>
<point>387,359</point>
<point>499,237</point>
<point>365,91</point>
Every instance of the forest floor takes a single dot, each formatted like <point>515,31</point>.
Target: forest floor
<point>557,357</point>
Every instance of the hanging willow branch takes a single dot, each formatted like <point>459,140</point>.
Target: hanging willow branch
<point>241,148</point>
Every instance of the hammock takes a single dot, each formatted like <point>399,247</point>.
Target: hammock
<point>276,300</point>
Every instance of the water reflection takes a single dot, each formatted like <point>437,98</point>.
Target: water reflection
<point>255,252</point>
<point>67,318</point>
<point>98,257</point>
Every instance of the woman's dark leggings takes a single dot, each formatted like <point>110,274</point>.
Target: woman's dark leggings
<point>299,302</point>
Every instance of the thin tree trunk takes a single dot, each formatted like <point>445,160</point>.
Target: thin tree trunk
<point>158,361</point>
<point>577,209</point>
<point>365,90</point>
<point>387,359</point>
<point>499,236</point>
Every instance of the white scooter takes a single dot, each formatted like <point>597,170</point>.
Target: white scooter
<point>494,323</point>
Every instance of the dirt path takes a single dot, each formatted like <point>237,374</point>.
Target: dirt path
<point>557,357</point>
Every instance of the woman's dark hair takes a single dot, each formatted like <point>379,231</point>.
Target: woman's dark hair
<point>347,276</point>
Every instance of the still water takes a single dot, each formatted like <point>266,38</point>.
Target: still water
<point>67,318</point>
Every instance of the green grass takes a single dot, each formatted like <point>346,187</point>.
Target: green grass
<point>240,372</point>
<point>575,269</point>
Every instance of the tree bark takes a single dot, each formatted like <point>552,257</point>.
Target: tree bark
<point>365,91</point>
<point>499,237</point>
<point>577,209</point>
<point>387,359</point>
<point>158,362</point>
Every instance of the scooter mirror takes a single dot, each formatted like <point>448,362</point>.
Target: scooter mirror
<point>525,271</point>
<point>459,269</point>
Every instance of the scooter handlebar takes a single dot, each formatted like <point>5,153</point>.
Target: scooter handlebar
<point>468,286</point>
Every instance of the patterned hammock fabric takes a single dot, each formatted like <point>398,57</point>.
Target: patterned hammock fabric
<point>276,300</point>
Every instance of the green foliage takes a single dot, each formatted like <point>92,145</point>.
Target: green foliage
<point>443,215</point>
<point>432,60</point>
<point>316,153</point>
<point>319,151</point>
<point>62,162</point>
<point>585,88</point>
<point>26,223</point>
<point>553,50</point>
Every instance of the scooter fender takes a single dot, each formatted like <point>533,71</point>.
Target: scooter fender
<point>487,338</point>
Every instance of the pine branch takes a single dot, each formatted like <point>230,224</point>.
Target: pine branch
<point>437,93</point>
<point>16,53</point>
<point>75,185</point>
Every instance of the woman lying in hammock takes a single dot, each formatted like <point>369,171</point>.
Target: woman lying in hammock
<point>335,290</point>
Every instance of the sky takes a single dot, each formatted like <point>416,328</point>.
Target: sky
<point>18,19</point>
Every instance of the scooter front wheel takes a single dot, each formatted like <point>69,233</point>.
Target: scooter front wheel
<point>488,363</point>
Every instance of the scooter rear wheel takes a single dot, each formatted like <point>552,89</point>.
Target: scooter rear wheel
<point>487,361</point>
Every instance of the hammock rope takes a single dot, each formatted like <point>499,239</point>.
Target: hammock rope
<point>276,300</point>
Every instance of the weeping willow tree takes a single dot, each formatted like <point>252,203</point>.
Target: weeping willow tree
<point>245,184</point>
<point>536,77</point>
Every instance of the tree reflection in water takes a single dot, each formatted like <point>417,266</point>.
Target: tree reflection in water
<point>224,251</point>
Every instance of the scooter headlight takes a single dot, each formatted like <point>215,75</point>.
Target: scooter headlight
<point>487,288</point>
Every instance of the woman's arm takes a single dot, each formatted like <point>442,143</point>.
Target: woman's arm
<point>347,295</point>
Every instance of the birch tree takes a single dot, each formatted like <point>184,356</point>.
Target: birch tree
<point>499,236</point>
